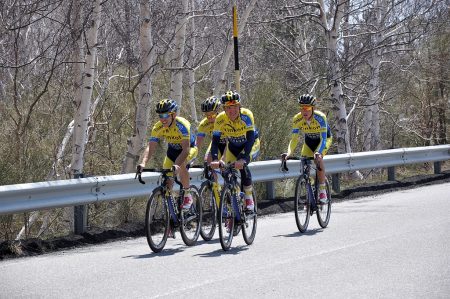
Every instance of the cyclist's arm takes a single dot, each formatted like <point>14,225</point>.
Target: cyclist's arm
<point>186,146</point>
<point>245,154</point>
<point>215,145</point>
<point>294,142</point>
<point>199,142</point>
<point>149,151</point>
<point>323,135</point>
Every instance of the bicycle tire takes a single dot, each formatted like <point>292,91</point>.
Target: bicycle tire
<point>302,206</point>
<point>157,221</point>
<point>324,210</point>
<point>191,220</point>
<point>209,211</point>
<point>249,228</point>
<point>226,219</point>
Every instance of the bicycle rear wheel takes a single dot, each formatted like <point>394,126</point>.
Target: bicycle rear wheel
<point>209,211</point>
<point>249,227</point>
<point>191,220</point>
<point>226,219</point>
<point>157,221</point>
<point>301,205</point>
<point>324,210</point>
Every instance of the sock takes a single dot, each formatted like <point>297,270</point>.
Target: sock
<point>248,191</point>
<point>322,187</point>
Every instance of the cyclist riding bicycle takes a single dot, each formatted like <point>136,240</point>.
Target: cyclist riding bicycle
<point>181,149</point>
<point>210,107</point>
<point>237,125</point>
<point>318,138</point>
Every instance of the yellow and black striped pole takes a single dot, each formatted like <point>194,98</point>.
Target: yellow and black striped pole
<point>236,51</point>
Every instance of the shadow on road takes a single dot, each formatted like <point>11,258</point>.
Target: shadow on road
<point>164,252</point>
<point>310,232</point>
<point>220,252</point>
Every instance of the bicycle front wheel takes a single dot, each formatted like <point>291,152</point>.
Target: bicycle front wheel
<point>249,227</point>
<point>324,210</point>
<point>226,219</point>
<point>209,211</point>
<point>157,221</point>
<point>301,205</point>
<point>191,220</point>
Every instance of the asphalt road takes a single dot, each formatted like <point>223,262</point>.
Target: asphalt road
<point>394,245</point>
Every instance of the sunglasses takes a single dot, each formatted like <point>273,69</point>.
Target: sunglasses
<point>212,115</point>
<point>306,107</point>
<point>231,103</point>
<point>164,115</point>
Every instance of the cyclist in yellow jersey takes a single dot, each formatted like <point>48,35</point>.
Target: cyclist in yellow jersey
<point>236,124</point>
<point>318,138</point>
<point>210,107</point>
<point>181,149</point>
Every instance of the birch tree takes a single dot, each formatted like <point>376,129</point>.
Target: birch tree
<point>191,71</point>
<point>143,106</point>
<point>82,107</point>
<point>176,85</point>
<point>372,111</point>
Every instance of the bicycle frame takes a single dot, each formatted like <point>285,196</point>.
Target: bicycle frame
<point>172,205</point>
<point>305,171</point>
<point>230,176</point>
<point>208,174</point>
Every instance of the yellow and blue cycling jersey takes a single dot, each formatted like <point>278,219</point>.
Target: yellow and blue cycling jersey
<point>234,131</point>
<point>317,132</point>
<point>177,132</point>
<point>240,135</point>
<point>205,128</point>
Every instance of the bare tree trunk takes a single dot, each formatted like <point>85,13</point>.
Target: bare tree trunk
<point>335,76</point>
<point>191,71</point>
<point>176,85</point>
<point>77,58</point>
<point>219,82</point>
<point>372,118</point>
<point>143,108</point>
<point>83,108</point>
<point>372,111</point>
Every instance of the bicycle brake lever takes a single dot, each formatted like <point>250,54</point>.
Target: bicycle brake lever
<point>140,179</point>
<point>283,166</point>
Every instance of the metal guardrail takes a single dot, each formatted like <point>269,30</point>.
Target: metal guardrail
<point>63,193</point>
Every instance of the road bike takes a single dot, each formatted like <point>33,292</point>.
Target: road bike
<point>210,197</point>
<point>232,210</point>
<point>306,196</point>
<point>164,214</point>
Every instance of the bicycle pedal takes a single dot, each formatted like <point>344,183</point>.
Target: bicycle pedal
<point>249,212</point>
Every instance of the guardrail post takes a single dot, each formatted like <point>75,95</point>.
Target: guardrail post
<point>391,173</point>
<point>79,215</point>
<point>437,167</point>
<point>335,183</point>
<point>270,190</point>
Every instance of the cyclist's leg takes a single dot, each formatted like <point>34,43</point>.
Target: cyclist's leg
<point>167,164</point>
<point>184,177</point>
<point>306,151</point>
<point>246,177</point>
